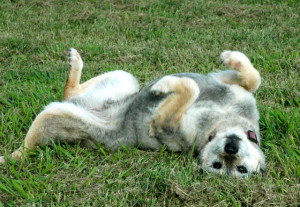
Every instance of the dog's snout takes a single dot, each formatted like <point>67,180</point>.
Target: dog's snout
<point>232,146</point>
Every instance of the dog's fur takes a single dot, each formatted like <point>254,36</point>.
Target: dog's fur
<point>187,112</point>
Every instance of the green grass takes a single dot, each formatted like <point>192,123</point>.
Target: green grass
<point>149,39</point>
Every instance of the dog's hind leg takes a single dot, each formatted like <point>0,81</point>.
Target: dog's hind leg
<point>182,92</point>
<point>65,121</point>
<point>72,86</point>
<point>244,74</point>
<point>112,86</point>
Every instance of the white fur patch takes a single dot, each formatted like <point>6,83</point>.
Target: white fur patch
<point>234,56</point>
<point>165,85</point>
<point>117,86</point>
<point>76,112</point>
<point>75,60</point>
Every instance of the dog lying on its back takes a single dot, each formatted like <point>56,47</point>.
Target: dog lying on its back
<point>213,116</point>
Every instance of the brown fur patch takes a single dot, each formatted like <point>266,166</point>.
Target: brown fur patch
<point>249,80</point>
<point>230,160</point>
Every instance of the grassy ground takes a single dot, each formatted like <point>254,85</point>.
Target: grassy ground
<point>149,39</point>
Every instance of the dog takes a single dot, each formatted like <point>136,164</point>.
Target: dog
<point>212,116</point>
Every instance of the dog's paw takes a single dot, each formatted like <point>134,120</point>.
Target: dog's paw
<point>165,85</point>
<point>157,127</point>
<point>75,60</point>
<point>235,60</point>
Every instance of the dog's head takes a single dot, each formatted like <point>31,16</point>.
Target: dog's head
<point>235,152</point>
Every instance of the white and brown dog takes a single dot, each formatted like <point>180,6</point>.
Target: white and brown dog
<point>214,116</point>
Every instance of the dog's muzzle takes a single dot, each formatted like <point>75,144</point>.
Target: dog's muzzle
<point>232,145</point>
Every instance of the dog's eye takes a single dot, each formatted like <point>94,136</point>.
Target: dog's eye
<point>217,165</point>
<point>242,169</point>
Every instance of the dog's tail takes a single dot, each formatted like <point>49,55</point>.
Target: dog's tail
<point>73,81</point>
<point>248,76</point>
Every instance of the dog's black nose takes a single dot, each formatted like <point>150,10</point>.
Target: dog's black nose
<point>232,146</point>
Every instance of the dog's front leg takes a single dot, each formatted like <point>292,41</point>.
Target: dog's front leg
<point>243,73</point>
<point>182,92</point>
